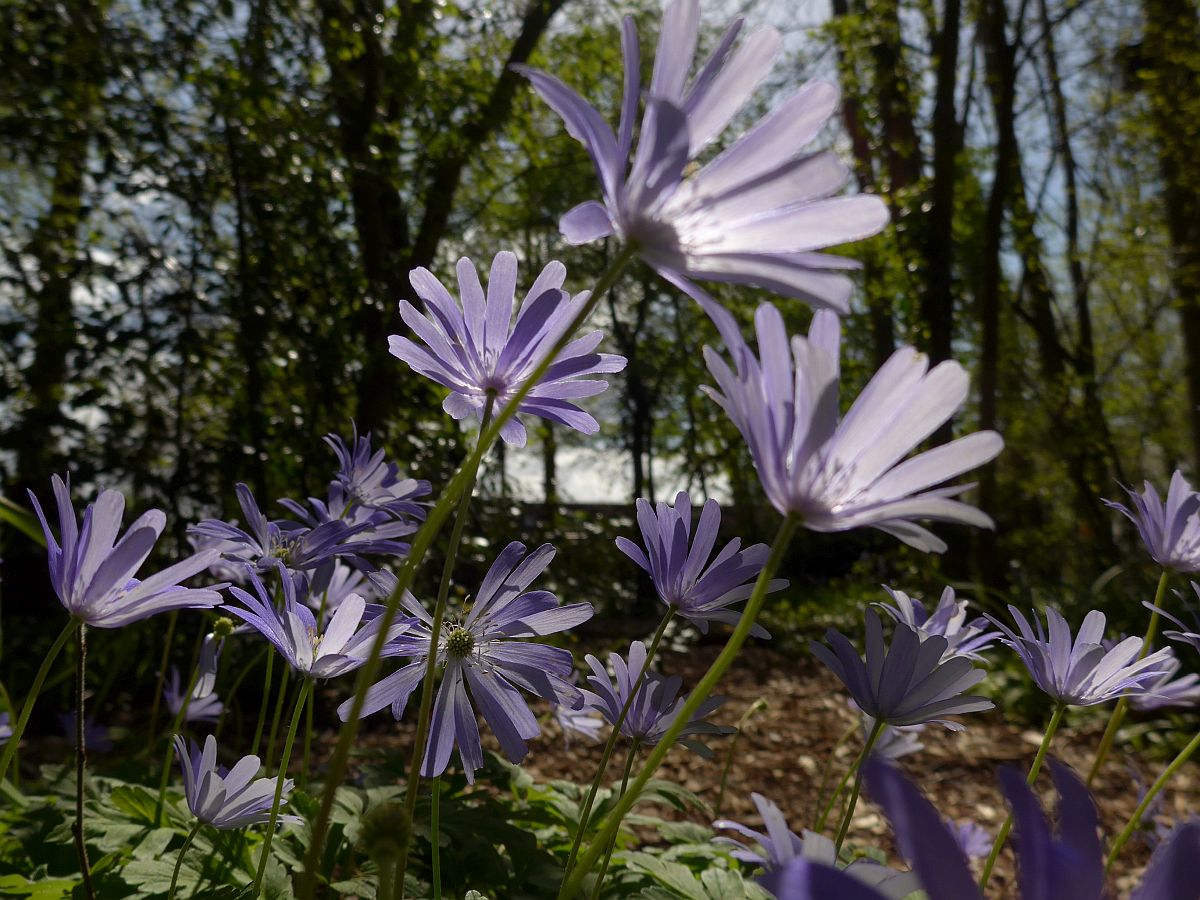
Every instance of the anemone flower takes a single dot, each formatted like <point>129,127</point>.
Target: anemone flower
<point>1169,689</point>
<point>1171,530</point>
<point>474,348</point>
<point>756,213</point>
<point>972,839</point>
<point>227,798</point>
<point>582,722</point>
<point>1184,632</point>
<point>656,703</point>
<point>837,475</point>
<point>484,660</point>
<point>894,741</point>
<point>6,731</point>
<point>699,590</point>
<point>907,683</point>
<point>1080,671</point>
<point>779,847</point>
<point>264,542</point>
<point>948,619</point>
<point>204,705</point>
<point>343,646</point>
<point>369,480</point>
<point>93,573</point>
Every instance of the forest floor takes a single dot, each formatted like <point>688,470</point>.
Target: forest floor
<point>784,747</point>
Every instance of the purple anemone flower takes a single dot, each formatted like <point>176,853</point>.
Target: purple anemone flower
<point>6,731</point>
<point>96,737</point>
<point>1170,531</point>
<point>269,542</point>
<point>1080,671</point>
<point>369,480</point>
<point>973,840</point>
<point>907,683</point>
<point>334,581</point>
<point>343,646</point>
<point>368,531</point>
<point>948,619</point>
<point>1169,689</point>
<point>583,722</point>
<point>204,705</point>
<point>228,798</point>
<point>484,660</point>
<point>842,474</point>
<point>779,847</point>
<point>1185,633</point>
<point>474,348</point>
<point>94,579</point>
<point>1052,865</point>
<point>683,577</point>
<point>758,212</point>
<point>656,703</point>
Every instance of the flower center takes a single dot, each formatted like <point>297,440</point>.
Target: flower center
<point>460,642</point>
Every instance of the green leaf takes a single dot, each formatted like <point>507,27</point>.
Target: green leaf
<point>136,802</point>
<point>47,889</point>
<point>22,520</point>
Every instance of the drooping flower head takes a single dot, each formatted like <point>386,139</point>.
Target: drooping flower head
<point>1080,670</point>
<point>907,683</point>
<point>93,573</point>
<point>342,646</point>
<point>842,474</point>
<point>204,705</point>
<point>484,660</point>
<point>779,847</point>
<point>656,703</point>
<point>948,619</point>
<point>474,347</point>
<point>701,591</point>
<point>227,798</point>
<point>1171,530</point>
<point>756,213</point>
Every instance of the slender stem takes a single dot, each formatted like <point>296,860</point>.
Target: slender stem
<point>179,862</point>
<point>1136,819</point>
<point>280,699</point>
<point>308,729</point>
<point>826,771</point>
<point>608,852</point>
<point>280,777</point>
<point>611,744</point>
<point>172,619</point>
<point>85,867</point>
<point>1002,836</point>
<point>413,785</point>
<point>876,730</point>
<point>12,711</point>
<point>435,844</point>
<point>1118,713</point>
<point>718,668</point>
<point>421,543</point>
<point>10,748</point>
<point>262,709</point>
<point>164,777</point>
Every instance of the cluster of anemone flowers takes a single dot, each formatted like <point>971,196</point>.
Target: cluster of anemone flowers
<point>326,588</point>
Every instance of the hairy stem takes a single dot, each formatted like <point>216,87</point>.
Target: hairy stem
<point>1002,836</point>
<point>421,543</point>
<point>718,668</point>
<point>85,867</point>
<point>1118,713</point>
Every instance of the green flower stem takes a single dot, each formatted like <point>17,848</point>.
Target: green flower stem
<point>164,777</point>
<point>421,543</point>
<point>608,852</point>
<point>1136,819</point>
<point>611,744</point>
<point>876,730</point>
<point>718,668</point>
<point>826,771</point>
<point>754,708</point>
<point>1002,836</point>
<point>12,711</point>
<point>172,619</point>
<point>435,844</point>
<point>412,786</point>
<point>305,688</point>
<point>277,717</point>
<point>232,690</point>
<point>85,867</point>
<point>308,730</point>
<point>10,748</point>
<point>1118,713</point>
<point>262,708</point>
<point>182,852</point>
